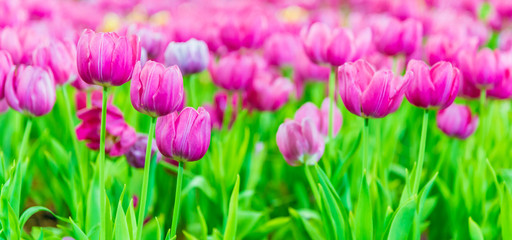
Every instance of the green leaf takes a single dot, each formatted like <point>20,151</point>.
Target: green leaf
<point>230,232</point>
<point>474,230</point>
<point>14,224</point>
<point>364,219</point>
<point>78,234</point>
<point>202,184</point>
<point>189,236</point>
<point>331,201</point>
<point>33,210</point>
<point>121,230</point>
<point>506,213</point>
<point>402,220</point>
<point>130,220</point>
<point>202,221</point>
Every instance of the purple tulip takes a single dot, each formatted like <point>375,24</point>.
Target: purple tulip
<point>119,135</point>
<point>235,71</point>
<point>457,121</point>
<point>106,59</point>
<point>369,93</point>
<point>432,88</point>
<point>184,136</point>
<point>5,67</point>
<point>137,153</point>
<point>10,42</point>
<point>300,142</point>
<point>59,58</point>
<point>481,68</point>
<point>156,90</point>
<point>151,40</point>
<point>320,117</point>
<point>30,90</point>
<point>269,92</point>
<point>191,56</point>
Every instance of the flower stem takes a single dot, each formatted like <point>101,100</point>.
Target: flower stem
<point>313,186</point>
<point>332,85</point>
<point>366,159</point>
<point>483,95</point>
<point>177,200</point>
<point>145,180</point>
<point>24,142</point>
<point>192,78</point>
<point>421,154</point>
<point>101,164</point>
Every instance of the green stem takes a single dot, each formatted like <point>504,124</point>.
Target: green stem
<point>332,85</point>
<point>483,95</point>
<point>145,180</point>
<point>366,159</point>
<point>192,90</point>
<point>421,154</point>
<point>313,186</point>
<point>24,142</point>
<point>177,200</point>
<point>103,201</point>
<point>83,164</point>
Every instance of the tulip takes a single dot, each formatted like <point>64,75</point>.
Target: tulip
<point>58,58</point>
<point>235,71</point>
<point>369,93</point>
<point>120,136</point>
<point>10,42</point>
<point>481,68</point>
<point>282,49</point>
<point>457,121</point>
<point>183,136</point>
<point>151,40</point>
<point>191,56</point>
<point>5,67</point>
<point>503,88</point>
<point>394,37</point>
<point>432,88</point>
<point>30,90</point>
<point>3,106</point>
<point>300,142</point>
<point>106,59</point>
<point>268,92</point>
<point>156,90</point>
<point>320,117</point>
<point>218,109</point>
<point>247,30</point>
<point>135,155</point>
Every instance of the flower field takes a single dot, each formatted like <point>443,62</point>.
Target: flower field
<point>255,119</point>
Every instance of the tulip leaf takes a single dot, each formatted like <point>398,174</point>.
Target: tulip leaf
<point>474,230</point>
<point>364,219</point>
<point>230,232</point>
<point>402,220</point>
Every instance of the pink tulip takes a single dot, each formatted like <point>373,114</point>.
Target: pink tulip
<point>234,71</point>
<point>320,117</point>
<point>269,92</point>
<point>482,68</point>
<point>457,121</point>
<point>184,136</point>
<point>59,58</point>
<point>119,135</point>
<point>282,49</point>
<point>30,90</point>
<point>191,56</point>
<point>300,142</point>
<point>218,108</point>
<point>369,93</point>
<point>432,88</point>
<point>394,37</point>
<point>5,67</point>
<point>156,90</point>
<point>503,88</point>
<point>152,40</point>
<point>10,42</point>
<point>106,59</point>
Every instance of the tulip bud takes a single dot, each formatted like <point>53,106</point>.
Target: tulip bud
<point>432,88</point>
<point>119,135</point>
<point>234,71</point>
<point>369,93</point>
<point>156,90</point>
<point>10,42</point>
<point>59,58</point>
<point>30,90</point>
<point>300,143</point>
<point>106,59</point>
<point>136,155</point>
<point>184,136</point>
<point>268,92</point>
<point>5,67</point>
<point>320,117</point>
<point>191,56</point>
<point>457,121</point>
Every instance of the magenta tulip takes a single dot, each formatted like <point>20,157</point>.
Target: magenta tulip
<point>269,92</point>
<point>393,36</point>
<point>432,88</point>
<point>119,135</point>
<point>300,142</point>
<point>106,59</point>
<point>10,42</point>
<point>320,117</point>
<point>481,68</point>
<point>369,93</point>
<point>235,71</point>
<point>30,90</point>
<point>184,136</point>
<point>282,49</point>
<point>156,90</point>
<point>218,108</point>
<point>457,121</point>
<point>5,67</point>
<point>59,58</point>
